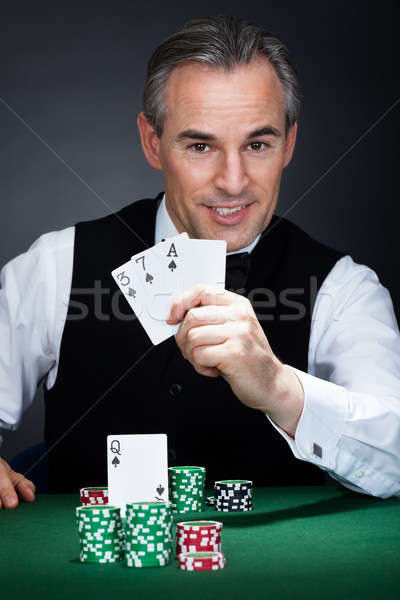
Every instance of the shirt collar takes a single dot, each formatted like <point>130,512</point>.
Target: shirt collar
<point>165,228</point>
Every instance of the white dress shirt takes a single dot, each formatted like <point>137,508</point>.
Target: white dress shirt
<point>350,424</point>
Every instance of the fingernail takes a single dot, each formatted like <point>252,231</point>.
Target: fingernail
<point>10,501</point>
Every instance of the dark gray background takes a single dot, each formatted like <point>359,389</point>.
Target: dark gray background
<point>73,72</point>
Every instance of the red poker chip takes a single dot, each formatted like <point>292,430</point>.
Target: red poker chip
<point>197,542</point>
<point>197,536</point>
<point>216,548</point>
<point>97,503</point>
<point>93,496</point>
<point>203,548</point>
<point>93,492</point>
<point>212,567</point>
<point>94,499</point>
<point>198,526</point>
<point>203,568</point>
<point>201,565</point>
<point>194,561</point>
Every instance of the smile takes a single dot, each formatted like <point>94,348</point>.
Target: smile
<point>226,215</point>
<point>228,211</point>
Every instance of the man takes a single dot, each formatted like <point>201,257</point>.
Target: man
<point>256,385</point>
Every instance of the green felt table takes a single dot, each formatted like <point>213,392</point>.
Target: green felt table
<point>298,542</point>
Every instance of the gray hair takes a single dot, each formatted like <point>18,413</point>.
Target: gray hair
<point>224,42</point>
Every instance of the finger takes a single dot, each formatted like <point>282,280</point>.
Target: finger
<point>209,357</point>
<point>26,492</point>
<point>200,295</point>
<point>209,335</point>
<point>24,487</point>
<point>8,495</point>
<point>211,372</point>
<point>200,317</point>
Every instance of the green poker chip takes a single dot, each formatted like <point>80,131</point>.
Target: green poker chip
<point>186,486</point>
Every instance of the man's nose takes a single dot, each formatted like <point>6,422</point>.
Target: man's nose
<point>231,176</point>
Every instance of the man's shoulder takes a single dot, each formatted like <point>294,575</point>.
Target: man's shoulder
<point>138,209</point>
<point>344,271</point>
<point>49,245</point>
<point>303,243</point>
<point>52,241</point>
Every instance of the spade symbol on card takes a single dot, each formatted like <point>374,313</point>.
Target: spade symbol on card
<point>132,292</point>
<point>116,461</point>
<point>160,490</point>
<point>149,278</point>
<point>172,266</point>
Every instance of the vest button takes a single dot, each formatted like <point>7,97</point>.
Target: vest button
<point>175,389</point>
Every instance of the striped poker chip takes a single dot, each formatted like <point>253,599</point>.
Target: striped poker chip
<point>134,561</point>
<point>93,495</point>
<point>197,548</point>
<point>95,512</point>
<point>198,536</point>
<point>233,495</point>
<point>85,557</point>
<point>148,534</point>
<point>204,527</point>
<point>201,561</point>
<point>234,483</point>
<point>101,534</point>
<point>186,488</point>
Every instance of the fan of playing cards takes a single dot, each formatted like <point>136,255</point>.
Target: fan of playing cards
<point>152,279</point>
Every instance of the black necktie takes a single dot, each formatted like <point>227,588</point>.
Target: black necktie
<point>237,268</point>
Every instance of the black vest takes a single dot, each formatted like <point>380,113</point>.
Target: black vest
<point>111,380</point>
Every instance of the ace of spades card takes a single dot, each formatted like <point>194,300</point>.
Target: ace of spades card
<point>137,467</point>
<point>176,265</point>
<point>153,278</point>
<point>133,279</point>
<point>161,273</point>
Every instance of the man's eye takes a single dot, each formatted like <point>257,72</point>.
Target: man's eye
<point>199,147</point>
<point>257,146</point>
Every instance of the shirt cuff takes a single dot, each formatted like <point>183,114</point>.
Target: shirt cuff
<point>321,423</point>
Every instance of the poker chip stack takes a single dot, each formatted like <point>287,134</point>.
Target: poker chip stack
<point>93,495</point>
<point>101,535</point>
<point>233,495</point>
<point>186,488</point>
<point>148,534</point>
<point>201,561</point>
<point>198,536</point>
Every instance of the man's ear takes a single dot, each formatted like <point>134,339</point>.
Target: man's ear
<point>290,144</point>
<point>150,141</point>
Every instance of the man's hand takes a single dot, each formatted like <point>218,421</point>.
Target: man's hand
<point>12,485</point>
<point>220,335</point>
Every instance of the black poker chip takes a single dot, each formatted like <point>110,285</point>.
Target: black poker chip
<point>233,495</point>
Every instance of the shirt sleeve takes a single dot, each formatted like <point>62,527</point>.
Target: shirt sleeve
<point>34,293</point>
<point>350,423</point>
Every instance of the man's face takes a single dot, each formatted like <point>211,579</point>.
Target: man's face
<point>222,150</point>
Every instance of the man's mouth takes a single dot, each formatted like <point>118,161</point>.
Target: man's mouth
<point>229,215</point>
<point>227,211</point>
